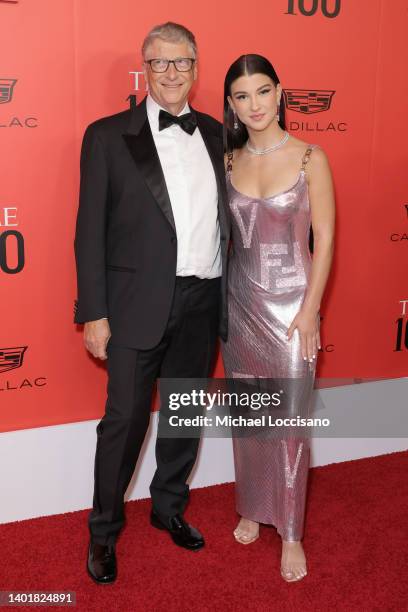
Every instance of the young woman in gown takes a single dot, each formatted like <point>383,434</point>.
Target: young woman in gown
<point>278,187</point>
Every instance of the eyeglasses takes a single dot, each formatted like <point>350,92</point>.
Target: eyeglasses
<point>181,64</point>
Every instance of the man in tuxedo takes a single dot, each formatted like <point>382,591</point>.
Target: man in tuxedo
<point>151,249</point>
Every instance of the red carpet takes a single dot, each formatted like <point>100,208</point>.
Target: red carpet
<point>356,544</point>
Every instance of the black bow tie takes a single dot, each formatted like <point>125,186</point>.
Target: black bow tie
<point>187,122</point>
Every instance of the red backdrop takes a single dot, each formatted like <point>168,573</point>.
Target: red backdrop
<point>73,61</point>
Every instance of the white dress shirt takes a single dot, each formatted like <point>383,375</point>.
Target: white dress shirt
<point>192,188</point>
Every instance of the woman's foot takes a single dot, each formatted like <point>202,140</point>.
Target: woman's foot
<point>247,531</point>
<point>293,563</point>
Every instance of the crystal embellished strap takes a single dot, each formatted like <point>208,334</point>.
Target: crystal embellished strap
<point>230,157</point>
<point>306,156</point>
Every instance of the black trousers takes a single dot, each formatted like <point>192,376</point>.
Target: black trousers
<point>187,350</point>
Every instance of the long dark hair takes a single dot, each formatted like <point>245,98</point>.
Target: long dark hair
<point>245,65</point>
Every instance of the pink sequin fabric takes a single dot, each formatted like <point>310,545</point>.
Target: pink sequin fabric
<point>269,268</point>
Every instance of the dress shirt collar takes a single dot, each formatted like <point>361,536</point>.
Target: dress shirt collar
<point>153,110</point>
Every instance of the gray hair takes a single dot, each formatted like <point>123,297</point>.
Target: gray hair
<point>170,32</point>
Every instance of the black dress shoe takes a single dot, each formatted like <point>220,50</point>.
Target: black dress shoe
<point>101,564</point>
<point>181,532</point>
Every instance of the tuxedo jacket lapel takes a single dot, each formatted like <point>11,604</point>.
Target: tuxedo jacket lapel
<point>139,140</point>
<point>215,151</point>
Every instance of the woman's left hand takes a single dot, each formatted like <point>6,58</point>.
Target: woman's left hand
<point>307,324</point>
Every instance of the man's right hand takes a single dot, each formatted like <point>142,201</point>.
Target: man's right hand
<point>96,337</point>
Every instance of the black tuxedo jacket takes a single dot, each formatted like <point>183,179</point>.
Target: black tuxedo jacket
<point>125,241</point>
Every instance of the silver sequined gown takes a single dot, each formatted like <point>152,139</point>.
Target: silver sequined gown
<point>269,270</point>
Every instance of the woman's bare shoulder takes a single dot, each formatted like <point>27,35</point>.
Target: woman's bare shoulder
<point>299,147</point>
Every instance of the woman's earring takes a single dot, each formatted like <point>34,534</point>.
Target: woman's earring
<point>235,121</point>
<point>278,110</point>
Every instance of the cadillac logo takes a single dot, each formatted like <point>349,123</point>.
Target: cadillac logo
<point>11,358</point>
<point>308,101</point>
<point>6,90</point>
